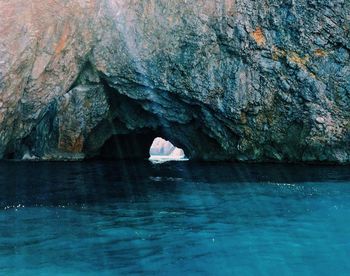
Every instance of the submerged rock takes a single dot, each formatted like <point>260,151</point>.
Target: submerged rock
<point>224,80</point>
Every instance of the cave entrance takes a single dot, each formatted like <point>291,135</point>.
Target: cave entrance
<point>106,118</point>
<point>162,150</point>
<point>141,145</point>
<point>140,129</point>
<point>102,117</point>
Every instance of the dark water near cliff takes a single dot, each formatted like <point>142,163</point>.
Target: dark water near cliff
<point>127,218</point>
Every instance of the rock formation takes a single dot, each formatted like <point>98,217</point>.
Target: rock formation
<point>164,150</point>
<point>224,80</point>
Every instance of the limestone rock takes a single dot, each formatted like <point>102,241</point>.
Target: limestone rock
<point>163,148</point>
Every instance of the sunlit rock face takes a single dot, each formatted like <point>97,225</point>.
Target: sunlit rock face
<point>224,80</point>
<point>163,149</point>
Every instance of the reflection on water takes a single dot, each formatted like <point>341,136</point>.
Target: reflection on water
<point>173,219</point>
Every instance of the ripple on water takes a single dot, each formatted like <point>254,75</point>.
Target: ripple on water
<point>174,219</point>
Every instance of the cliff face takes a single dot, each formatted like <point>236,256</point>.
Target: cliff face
<point>229,79</point>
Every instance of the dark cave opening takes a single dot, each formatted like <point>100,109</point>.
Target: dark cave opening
<point>127,146</point>
<point>100,118</point>
<point>130,129</point>
<point>136,146</point>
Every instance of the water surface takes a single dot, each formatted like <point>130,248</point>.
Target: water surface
<point>132,218</point>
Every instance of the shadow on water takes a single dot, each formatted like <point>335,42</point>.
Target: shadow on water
<point>59,183</point>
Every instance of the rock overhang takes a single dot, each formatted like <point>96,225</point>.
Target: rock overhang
<point>234,80</point>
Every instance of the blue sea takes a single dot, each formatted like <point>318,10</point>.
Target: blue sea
<point>177,218</point>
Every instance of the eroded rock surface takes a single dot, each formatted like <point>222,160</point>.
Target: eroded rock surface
<point>233,80</point>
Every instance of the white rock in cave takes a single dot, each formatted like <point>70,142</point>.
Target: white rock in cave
<point>164,150</point>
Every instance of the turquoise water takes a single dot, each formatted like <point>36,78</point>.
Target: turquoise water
<point>183,218</point>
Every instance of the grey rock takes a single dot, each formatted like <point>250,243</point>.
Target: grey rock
<point>224,80</point>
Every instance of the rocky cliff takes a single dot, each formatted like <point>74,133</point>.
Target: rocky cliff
<point>223,79</point>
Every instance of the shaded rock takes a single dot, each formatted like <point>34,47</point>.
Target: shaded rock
<point>80,111</point>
